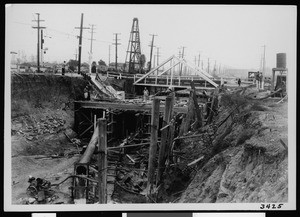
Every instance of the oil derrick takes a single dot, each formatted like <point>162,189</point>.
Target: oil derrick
<point>134,48</point>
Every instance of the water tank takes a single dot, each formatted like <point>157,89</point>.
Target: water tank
<point>281,60</point>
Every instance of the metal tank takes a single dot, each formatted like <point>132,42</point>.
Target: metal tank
<point>281,60</point>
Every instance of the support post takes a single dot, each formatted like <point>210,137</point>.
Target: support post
<point>102,160</point>
<point>197,109</point>
<point>213,105</point>
<point>164,137</point>
<point>153,145</point>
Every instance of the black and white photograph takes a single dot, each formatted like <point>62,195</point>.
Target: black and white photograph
<point>125,107</point>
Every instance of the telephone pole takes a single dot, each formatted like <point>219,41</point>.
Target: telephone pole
<point>263,71</point>
<point>38,27</point>
<point>116,44</point>
<point>109,54</point>
<point>182,55</point>
<point>179,53</point>
<point>80,41</point>
<point>208,66</point>
<point>151,50</point>
<point>157,55</point>
<point>91,47</point>
<point>92,39</point>
<point>42,48</point>
<point>198,60</point>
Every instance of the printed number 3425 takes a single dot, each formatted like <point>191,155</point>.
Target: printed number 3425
<point>271,206</point>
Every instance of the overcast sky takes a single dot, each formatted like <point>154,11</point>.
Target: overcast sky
<point>229,35</point>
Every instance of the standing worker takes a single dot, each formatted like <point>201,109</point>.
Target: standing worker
<point>146,94</point>
<point>239,82</point>
<point>86,93</point>
<point>63,68</point>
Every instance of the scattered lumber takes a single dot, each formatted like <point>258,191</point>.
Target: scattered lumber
<point>281,99</point>
<point>195,161</point>
<point>283,144</point>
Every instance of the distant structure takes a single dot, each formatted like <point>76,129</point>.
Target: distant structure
<point>134,48</point>
<point>281,79</point>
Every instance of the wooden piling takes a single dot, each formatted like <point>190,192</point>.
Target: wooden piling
<point>153,145</point>
<point>164,137</point>
<point>213,106</point>
<point>198,112</point>
<point>102,160</point>
<point>188,119</point>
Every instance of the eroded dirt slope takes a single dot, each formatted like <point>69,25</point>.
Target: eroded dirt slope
<point>245,161</point>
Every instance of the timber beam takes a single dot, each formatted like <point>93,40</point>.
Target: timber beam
<point>125,106</point>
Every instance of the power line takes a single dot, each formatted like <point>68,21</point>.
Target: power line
<point>67,34</point>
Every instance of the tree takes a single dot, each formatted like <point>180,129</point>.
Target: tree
<point>101,63</point>
<point>142,61</point>
<point>73,64</point>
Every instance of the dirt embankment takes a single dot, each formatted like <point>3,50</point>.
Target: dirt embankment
<point>243,157</point>
<point>42,114</point>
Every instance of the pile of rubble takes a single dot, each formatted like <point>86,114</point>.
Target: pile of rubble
<point>31,128</point>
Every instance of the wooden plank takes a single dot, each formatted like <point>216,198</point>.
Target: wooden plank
<point>183,84</point>
<point>197,109</point>
<point>92,125</point>
<point>195,161</point>
<point>153,145</point>
<point>164,137</point>
<point>125,106</point>
<point>127,146</point>
<point>102,161</point>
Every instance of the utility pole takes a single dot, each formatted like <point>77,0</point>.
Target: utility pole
<point>202,64</point>
<point>109,46</point>
<point>80,41</point>
<point>208,66</point>
<point>42,49</point>
<point>215,67</point>
<point>157,55</point>
<point>116,44</point>
<point>263,71</point>
<point>151,50</point>
<point>198,60</point>
<point>182,55</point>
<point>91,48</point>
<point>38,27</point>
<point>183,52</point>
